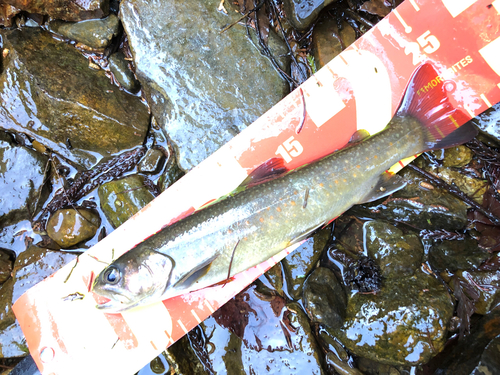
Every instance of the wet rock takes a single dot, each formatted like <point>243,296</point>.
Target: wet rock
<point>68,10</point>
<point>120,69</point>
<point>171,174</point>
<point>488,121</point>
<point>272,281</point>
<point>121,199</point>
<point>324,299</point>
<point>458,156</point>
<point>30,267</point>
<point>487,285</point>
<point>419,206</point>
<point>369,367</point>
<point>203,86</point>
<point>477,354</point>
<point>22,173</point>
<point>14,237</point>
<point>397,254</point>
<point>376,7</point>
<point>336,359</point>
<point>6,263</point>
<point>302,13</point>
<point>300,263</point>
<point>457,255</point>
<point>7,13</point>
<point>96,33</point>
<point>152,161</point>
<point>404,324</point>
<point>68,226</point>
<point>99,119</point>
<point>475,188</point>
<point>328,41</point>
<point>253,334</point>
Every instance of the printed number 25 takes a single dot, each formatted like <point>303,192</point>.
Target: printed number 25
<point>289,149</point>
<point>427,41</point>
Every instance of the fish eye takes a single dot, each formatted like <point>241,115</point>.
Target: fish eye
<point>112,275</point>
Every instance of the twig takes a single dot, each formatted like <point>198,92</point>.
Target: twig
<point>453,190</point>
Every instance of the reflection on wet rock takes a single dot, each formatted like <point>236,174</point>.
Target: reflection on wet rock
<point>49,93</point>
<point>93,33</point>
<point>203,85</point>
<point>254,334</point>
<point>396,254</point>
<point>22,172</point>
<point>423,208</point>
<point>68,10</point>
<point>300,263</point>
<point>403,324</point>
<point>122,73</point>
<point>324,299</point>
<point>70,226</point>
<point>121,199</point>
<point>30,267</point>
<point>302,13</point>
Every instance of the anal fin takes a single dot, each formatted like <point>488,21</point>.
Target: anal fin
<point>387,184</point>
<point>306,234</point>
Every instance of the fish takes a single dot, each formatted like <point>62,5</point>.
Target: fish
<point>280,208</point>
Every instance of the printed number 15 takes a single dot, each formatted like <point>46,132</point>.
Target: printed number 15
<point>289,149</point>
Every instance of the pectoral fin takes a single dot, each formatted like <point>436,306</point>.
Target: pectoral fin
<point>387,184</point>
<point>195,274</point>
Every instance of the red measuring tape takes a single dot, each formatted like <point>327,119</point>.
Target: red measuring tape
<point>360,89</point>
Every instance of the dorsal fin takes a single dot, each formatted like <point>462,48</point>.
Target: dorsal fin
<point>426,99</point>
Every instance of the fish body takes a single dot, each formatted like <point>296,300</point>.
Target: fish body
<point>250,227</point>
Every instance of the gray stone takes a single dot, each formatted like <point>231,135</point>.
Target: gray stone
<point>42,79</point>
<point>203,85</point>
<point>93,33</point>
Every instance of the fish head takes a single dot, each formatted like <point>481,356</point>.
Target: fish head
<point>134,279</point>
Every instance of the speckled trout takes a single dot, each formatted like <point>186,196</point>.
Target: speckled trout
<point>248,228</point>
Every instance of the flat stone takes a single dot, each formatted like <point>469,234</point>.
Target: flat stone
<point>204,86</point>
<point>152,161</point>
<point>93,33</point>
<point>43,78</point>
<point>328,41</point>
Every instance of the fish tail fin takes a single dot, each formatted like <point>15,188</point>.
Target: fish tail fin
<point>426,99</point>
